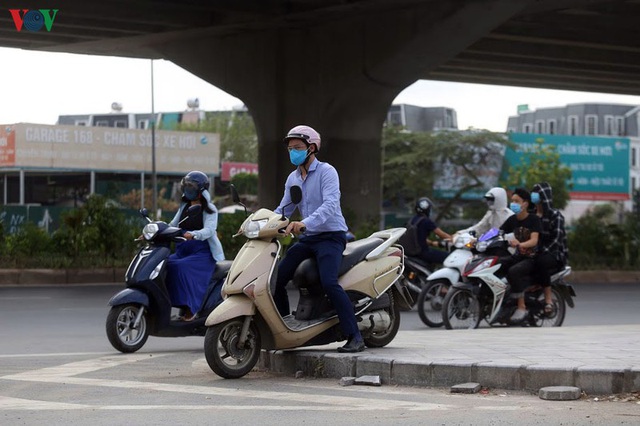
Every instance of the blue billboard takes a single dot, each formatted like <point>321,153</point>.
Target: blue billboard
<point>599,165</point>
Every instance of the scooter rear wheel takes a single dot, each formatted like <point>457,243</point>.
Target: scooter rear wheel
<point>461,309</point>
<point>556,317</point>
<point>430,302</point>
<point>120,331</point>
<point>380,339</point>
<point>221,349</point>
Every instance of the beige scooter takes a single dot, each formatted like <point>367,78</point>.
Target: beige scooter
<point>248,321</point>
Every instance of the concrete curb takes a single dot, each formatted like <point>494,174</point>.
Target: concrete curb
<point>592,380</point>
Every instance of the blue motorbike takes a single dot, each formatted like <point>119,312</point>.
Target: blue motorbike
<point>144,308</point>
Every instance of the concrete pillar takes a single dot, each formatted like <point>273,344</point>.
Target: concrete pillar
<point>338,74</point>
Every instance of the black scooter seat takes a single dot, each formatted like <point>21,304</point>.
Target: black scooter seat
<point>222,268</point>
<point>306,274</point>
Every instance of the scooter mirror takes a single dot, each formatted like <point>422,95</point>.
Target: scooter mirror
<point>144,212</point>
<point>234,194</point>
<point>236,197</point>
<point>296,194</point>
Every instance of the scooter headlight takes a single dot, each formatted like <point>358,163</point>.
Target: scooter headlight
<point>252,228</point>
<point>149,231</point>
<point>482,246</point>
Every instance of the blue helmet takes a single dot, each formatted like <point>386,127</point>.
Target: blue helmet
<point>193,184</point>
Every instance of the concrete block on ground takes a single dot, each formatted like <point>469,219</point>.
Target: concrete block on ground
<point>599,380</point>
<point>503,376</point>
<point>43,276</point>
<point>411,373</point>
<point>559,393</point>
<point>347,381</point>
<point>449,373</point>
<point>368,381</point>
<point>542,375</point>
<point>372,365</point>
<point>466,388</point>
<point>339,365</point>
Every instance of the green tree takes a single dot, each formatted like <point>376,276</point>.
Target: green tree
<point>542,164</point>
<point>412,162</point>
<point>238,137</point>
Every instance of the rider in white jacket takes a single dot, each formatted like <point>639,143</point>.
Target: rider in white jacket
<point>498,212</point>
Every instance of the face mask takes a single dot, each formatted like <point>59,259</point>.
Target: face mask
<point>515,207</point>
<point>535,197</point>
<point>191,194</point>
<point>297,157</point>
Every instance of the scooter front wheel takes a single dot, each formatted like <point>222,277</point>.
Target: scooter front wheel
<point>223,352</point>
<point>430,302</point>
<point>461,309</point>
<point>120,328</point>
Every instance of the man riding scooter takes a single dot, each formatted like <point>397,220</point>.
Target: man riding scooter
<point>324,229</point>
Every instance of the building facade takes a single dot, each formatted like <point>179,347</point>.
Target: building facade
<point>422,119</point>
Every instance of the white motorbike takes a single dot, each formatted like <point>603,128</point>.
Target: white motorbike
<point>484,293</point>
<point>429,303</point>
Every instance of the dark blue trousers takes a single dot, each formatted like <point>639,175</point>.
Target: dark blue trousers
<point>327,249</point>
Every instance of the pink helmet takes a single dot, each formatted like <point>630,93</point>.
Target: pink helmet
<point>305,133</point>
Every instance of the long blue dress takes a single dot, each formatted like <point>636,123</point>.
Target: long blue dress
<point>189,269</point>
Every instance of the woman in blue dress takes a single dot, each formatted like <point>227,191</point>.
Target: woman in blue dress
<point>190,268</point>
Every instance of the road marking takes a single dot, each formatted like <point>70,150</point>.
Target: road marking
<point>55,354</point>
<point>19,404</point>
<point>65,374</point>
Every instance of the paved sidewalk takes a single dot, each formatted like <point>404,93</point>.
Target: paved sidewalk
<point>597,359</point>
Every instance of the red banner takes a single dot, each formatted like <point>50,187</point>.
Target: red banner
<point>229,169</point>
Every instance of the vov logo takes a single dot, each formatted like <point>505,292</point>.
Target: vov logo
<point>33,20</point>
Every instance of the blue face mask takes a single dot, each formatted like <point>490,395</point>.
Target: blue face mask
<point>297,157</point>
<point>190,194</point>
<point>535,197</point>
<point>515,207</point>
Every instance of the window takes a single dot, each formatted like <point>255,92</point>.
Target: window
<point>121,124</point>
<point>511,130</point>
<point>143,124</point>
<point>81,122</point>
<point>395,118</point>
<point>609,126</point>
<point>633,183</point>
<point>573,125</point>
<point>551,127</point>
<point>526,128</point>
<point>620,126</point>
<point>102,123</point>
<point>539,126</point>
<point>634,161</point>
<point>591,125</point>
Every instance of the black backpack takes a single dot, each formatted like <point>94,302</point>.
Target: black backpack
<point>409,240</point>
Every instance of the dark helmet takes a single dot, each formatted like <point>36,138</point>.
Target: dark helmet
<point>423,206</point>
<point>193,183</point>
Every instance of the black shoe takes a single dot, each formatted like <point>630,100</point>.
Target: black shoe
<point>354,344</point>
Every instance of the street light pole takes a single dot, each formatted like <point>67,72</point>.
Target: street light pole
<point>154,183</point>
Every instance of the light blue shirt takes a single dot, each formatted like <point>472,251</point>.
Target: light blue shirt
<point>320,205</point>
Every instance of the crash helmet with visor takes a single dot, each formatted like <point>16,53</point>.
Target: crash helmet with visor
<point>193,184</point>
